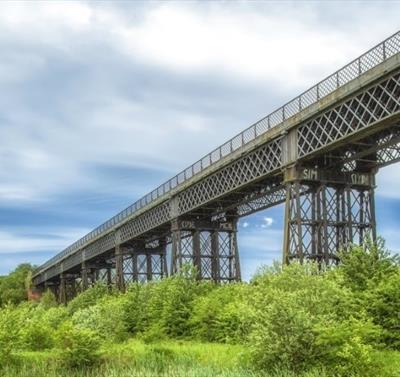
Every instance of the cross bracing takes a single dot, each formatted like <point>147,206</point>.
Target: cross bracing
<point>348,123</point>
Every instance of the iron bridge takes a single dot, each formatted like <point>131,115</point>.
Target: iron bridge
<point>318,154</point>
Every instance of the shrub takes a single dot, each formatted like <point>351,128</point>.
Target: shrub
<point>48,300</point>
<point>37,336</point>
<point>9,333</point>
<point>163,307</point>
<point>54,317</point>
<point>77,347</point>
<point>222,315</point>
<point>383,303</point>
<point>364,267</point>
<point>106,318</point>
<point>290,307</point>
<point>88,298</point>
<point>346,347</point>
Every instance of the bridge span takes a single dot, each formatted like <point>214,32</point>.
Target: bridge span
<point>318,154</point>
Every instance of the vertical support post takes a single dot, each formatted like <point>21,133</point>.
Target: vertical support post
<point>134,260</point>
<point>84,276</point>
<point>63,290</point>
<point>163,257</point>
<point>109,277</point>
<point>286,231</point>
<point>235,251</point>
<point>215,267</point>
<point>149,266</point>
<point>176,248</point>
<point>197,252</point>
<point>371,198</point>
<point>119,268</point>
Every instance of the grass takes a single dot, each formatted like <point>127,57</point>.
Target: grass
<point>167,359</point>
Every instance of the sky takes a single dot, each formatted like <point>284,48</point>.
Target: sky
<point>100,102</point>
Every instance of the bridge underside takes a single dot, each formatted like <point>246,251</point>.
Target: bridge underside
<point>323,169</point>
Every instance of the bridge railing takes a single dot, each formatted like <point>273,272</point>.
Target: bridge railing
<point>370,59</point>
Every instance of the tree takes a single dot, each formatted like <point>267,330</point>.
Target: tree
<point>365,267</point>
<point>13,287</point>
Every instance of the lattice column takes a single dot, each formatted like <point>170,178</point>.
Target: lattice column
<point>84,277</point>
<point>119,268</point>
<point>62,292</point>
<point>211,247</point>
<point>144,262</point>
<point>325,212</point>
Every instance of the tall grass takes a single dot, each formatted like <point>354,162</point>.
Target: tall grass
<point>137,359</point>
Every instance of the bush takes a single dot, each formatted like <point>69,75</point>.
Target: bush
<point>346,347</point>
<point>48,300</point>
<point>54,317</point>
<point>291,307</point>
<point>106,318</point>
<point>77,347</point>
<point>88,298</point>
<point>163,307</point>
<point>222,315</point>
<point>365,267</point>
<point>37,337</point>
<point>9,333</point>
<point>383,303</point>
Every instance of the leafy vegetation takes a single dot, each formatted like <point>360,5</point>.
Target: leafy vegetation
<point>298,320</point>
<point>13,288</point>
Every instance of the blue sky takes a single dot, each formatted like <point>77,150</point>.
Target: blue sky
<point>102,101</point>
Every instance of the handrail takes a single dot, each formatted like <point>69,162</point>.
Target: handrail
<point>376,55</point>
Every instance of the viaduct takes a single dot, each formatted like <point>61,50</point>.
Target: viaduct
<point>318,154</point>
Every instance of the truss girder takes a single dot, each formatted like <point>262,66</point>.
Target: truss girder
<point>372,105</point>
<point>256,164</point>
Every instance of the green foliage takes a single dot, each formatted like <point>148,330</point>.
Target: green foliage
<point>48,300</point>
<point>37,336</point>
<point>13,287</point>
<point>164,307</point>
<point>54,317</point>
<point>9,333</point>
<point>222,315</point>
<point>88,297</point>
<point>77,347</point>
<point>298,320</point>
<point>294,307</point>
<point>346,346</point>
<point>383,303</point>
<point>106,318</point>
<point>365,267</point>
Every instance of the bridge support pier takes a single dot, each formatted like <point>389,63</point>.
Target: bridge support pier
<point>67,288</point>
<point>144,262</point>
<point>326,211</point>
<point>140,262</point>
<point>211,247</point>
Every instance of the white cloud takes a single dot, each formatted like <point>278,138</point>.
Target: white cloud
<point>95,121</point>
<point>267,222</point>
<point>287,48</point>
<point>388,182</point>
<point>23,241</point>
<point>245,224</point>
